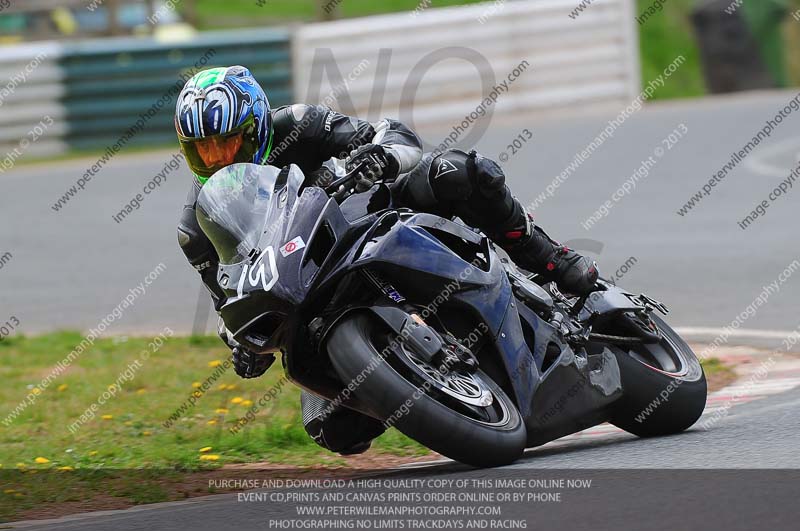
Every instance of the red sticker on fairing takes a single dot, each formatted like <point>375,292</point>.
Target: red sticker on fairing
<point>292,246</point>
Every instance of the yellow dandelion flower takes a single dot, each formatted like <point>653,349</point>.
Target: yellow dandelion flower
<point>247,403</point>
<point>215,363</point>
<point>197,394</point>
<point>221,410</point>
<point>209,457</point>
<point>93,452</point>
<point>66,468</point>
<point>36,391</point>
<point>205,449</point>
<point>231,387</point>
<point>147,433</point>
<point>196,385</point>
<point>212,422</point>
<point>62,387</point>
<point>107,417</point>
<point>141,391</point>
<point>41,460</point>
<point>236,400</point>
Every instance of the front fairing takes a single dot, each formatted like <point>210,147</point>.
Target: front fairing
<point>422,265</point>
<point>259,219</point>
<point>278,238</point>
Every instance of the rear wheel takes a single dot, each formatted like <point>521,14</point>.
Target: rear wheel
<point>664,385</point>
<point>464,416</point>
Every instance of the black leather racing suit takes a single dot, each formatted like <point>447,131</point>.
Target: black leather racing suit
<point>451,184</point>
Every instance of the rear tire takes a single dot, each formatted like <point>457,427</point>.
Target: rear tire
<point>662,396</point>
<point>353,348</point>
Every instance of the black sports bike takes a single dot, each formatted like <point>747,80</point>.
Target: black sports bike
<point>417,321</point>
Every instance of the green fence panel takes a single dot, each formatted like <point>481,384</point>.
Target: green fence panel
<point>112,84</point>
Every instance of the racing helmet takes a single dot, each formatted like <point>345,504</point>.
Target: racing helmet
<point>222,116</point>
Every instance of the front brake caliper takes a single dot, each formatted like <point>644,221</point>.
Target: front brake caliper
<point>455,354</point>
<point>438,350</point>
<point>423,339</point>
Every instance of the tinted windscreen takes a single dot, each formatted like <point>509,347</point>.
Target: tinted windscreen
<point>233,207</point>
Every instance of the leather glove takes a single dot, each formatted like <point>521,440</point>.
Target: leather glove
<point>250,365</point>
<point>378,164</point>
<point>245,363</point>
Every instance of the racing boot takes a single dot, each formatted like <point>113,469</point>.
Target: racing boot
<point>532,249</point>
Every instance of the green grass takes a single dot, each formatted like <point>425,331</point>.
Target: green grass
<point>715,366</point>
<point>718,373</point>
<point>213,14</point>
<point>134,436</point>
<point>662,38</point>
<point>791,28</point>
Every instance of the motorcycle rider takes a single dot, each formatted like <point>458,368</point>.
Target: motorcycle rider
<point>223,117</point>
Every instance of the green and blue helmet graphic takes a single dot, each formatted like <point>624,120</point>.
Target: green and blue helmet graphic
<point>227,107</point>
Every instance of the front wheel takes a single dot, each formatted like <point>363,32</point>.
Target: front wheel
<point>664,386</point>
<point>463,416</point>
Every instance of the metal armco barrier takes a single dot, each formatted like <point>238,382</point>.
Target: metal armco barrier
<point>30,89</point>
<point>437,65</point>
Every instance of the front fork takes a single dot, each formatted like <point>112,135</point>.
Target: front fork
<point>447,350</point>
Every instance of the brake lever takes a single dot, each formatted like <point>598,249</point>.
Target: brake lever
<point>342,193</point>
<point>340,183</point>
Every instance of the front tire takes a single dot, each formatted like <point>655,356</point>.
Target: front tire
<point>664,385</point>
<point>355,346</point>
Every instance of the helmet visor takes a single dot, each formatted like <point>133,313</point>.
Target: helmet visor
<point>210,154</point>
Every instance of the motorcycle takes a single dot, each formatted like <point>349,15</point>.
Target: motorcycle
<point>419,322</point>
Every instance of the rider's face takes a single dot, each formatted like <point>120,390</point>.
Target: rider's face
<point>219,151</point>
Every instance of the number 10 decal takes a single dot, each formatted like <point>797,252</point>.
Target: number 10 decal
<point>257,273</point>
